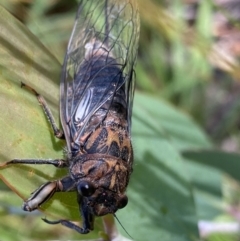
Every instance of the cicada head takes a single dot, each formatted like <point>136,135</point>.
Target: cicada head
<point>101,182</point>
<point>101,201</point>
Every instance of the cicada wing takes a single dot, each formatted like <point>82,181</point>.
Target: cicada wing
<point>100,58</point>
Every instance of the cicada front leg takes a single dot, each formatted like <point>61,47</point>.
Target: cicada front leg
<point>46,191</point>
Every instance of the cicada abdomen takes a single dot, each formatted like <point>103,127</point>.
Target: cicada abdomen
<point>96,94</point>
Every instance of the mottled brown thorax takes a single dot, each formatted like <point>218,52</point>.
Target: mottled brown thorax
<point>111,138</point>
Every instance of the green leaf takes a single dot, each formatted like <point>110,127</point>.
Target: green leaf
<point>207,168</point>
<point>207,189</point>
<point>162,120</point>
<point>222,161</point>
<point>161,203</point>
<point>23,124</point>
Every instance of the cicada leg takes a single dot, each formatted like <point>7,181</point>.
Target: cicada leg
<point>88,218</point>
<point>46,191</point>
<point>68,224</point>
<point>60,163</point>
<point>57,132</point>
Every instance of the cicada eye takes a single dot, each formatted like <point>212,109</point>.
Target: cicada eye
<point>123,202</point>
<point>86,188</point>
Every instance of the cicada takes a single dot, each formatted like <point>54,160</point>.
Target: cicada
<point>96,97</point>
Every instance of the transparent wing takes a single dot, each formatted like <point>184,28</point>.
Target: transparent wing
<point>100,58</point>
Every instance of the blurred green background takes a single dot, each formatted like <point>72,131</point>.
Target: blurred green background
<point>185,184</point>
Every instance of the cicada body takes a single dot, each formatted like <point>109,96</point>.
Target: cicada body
<point>96,95</point>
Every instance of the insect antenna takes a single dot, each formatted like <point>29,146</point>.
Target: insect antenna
<point>122,225</point>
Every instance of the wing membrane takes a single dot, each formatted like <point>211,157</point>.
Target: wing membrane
<point>100,58</point>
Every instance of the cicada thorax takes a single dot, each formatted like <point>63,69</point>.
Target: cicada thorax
<point>105,155</point>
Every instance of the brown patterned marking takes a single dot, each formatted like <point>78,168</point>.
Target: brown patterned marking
<point>125,153</point>
<point>102,170</point>
<point>120,136</point>
<point>114,149</point>
<point>113,181</point>
<point>96,141</point>
<point>113,142</point>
